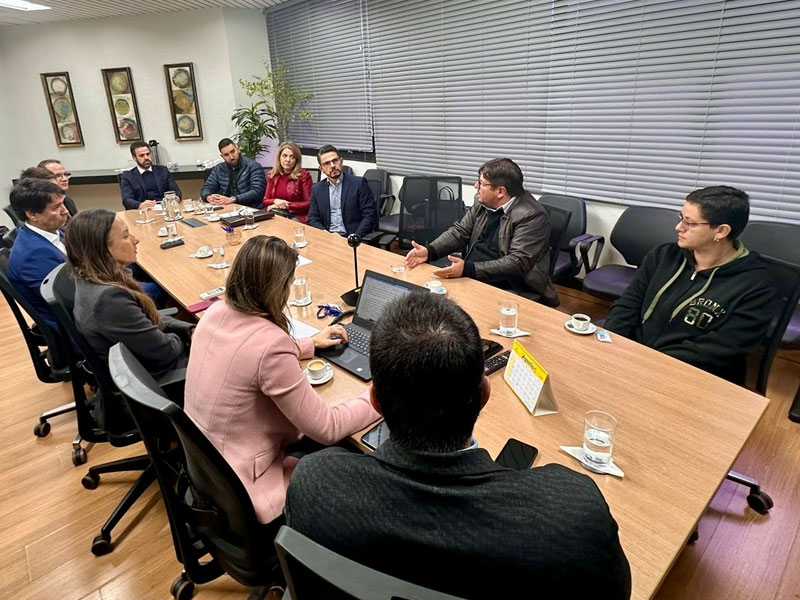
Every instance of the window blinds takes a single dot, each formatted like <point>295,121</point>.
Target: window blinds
<point>324,46</point>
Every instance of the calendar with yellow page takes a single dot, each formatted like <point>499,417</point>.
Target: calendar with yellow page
<point>529,381</point>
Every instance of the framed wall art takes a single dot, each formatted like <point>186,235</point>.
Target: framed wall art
<point>122,104</point>
<point>182,93</point>
<point>61,106</point>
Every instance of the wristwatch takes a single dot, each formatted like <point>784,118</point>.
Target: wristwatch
<point>233,199</point>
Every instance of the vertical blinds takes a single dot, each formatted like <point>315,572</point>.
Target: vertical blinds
<point>324,46</point>
<point>629,101</point>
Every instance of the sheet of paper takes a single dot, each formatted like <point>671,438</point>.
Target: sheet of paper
<point>302,260</point>
<point>301,330</point>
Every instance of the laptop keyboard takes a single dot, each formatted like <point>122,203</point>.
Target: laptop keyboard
<point>358,339</point>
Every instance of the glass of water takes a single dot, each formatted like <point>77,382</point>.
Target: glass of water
<point>508,317</point>
<point>300,291</point>
<point>219,258</point>
<point>299,233</point>
<point>144,215</point>
<point>599,429</point>
<point>249,220</point>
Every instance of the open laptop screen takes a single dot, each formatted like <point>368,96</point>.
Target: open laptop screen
<point>377,291</point>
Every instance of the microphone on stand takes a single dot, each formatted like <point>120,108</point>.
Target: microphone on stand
<point>351,298</point>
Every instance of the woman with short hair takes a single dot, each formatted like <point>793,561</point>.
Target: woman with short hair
<point>245,388</point>
<point>705,300</point>
<point>288,184</point>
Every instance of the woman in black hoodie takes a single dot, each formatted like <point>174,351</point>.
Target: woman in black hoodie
<point>705,300</point>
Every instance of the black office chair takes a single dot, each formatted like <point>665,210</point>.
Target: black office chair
<point>638,230</point>
<point>568,262</point>
<point>559,222</point>
<point>312,572</point>
<point>12,214</point>
<point>386,227</point>
<point>208,508</point>
<point>47,348</point>
<point>429,205</point>
<point>102,416</point>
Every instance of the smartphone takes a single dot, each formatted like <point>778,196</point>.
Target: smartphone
<point>516,455</point>
<point>490,348</point>
<point>376,436</point>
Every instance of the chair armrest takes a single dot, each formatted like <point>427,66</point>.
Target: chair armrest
<point>168,312</point>
<point>372,238</point>
<point>584,243</point>
<point>174,376</point>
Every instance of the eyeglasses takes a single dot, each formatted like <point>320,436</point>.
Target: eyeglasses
<point>332,162</point>
<point>63,176</point>
<point>483,183</point>
<point>690,224</point>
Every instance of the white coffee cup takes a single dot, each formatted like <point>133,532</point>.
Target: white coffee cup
<point>581,322</point>
<point>317,369</point>
<point>433,285</point>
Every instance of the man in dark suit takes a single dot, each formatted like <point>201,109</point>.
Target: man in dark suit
<point>430,506</point>
<point>39,246</point>
<point>343,203</point>
<point>61,178</point>
<point>145,184</point>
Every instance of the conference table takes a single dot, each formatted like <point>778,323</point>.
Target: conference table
<point>680,429</point>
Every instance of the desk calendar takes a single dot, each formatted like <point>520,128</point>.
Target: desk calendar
<point>529,381</point>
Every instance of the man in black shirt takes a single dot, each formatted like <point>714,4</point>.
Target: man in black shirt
<point>504,237</point>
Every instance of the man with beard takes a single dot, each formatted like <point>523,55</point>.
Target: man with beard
<point>146,183</point>
<point>238,180</point>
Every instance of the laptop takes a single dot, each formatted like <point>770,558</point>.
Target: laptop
<point>377,291</point>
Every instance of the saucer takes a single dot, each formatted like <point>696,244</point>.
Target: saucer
<point>324,379</point>
<point>202,254</point>
<point>588,331</point>
<point>300,244</point>
<point>164,234</point>
<point>189,209</point>
<point>212,218</point>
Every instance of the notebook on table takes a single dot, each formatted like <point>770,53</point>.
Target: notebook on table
<point>377,291</point>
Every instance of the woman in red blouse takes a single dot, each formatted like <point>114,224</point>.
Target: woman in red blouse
<point>289,185</point>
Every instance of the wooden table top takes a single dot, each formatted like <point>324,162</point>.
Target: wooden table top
<point>680,429</point>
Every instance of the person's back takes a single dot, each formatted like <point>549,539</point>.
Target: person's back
<point>431,508</point>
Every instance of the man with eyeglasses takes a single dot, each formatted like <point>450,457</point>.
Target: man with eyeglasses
<point>342,203</point>
<point>61,179</point>
<point>237,180</point>
<point>504,238</point>
<point>705,300</point>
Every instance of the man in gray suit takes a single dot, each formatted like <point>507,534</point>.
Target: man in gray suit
<point>430,506</point>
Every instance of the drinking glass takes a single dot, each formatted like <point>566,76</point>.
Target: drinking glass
<point>599,429</point>
<point>508,317</point>
<point>219,258</point>
<point>300,291</point>
<point>144,215</point>
<point>299,233</point>
<point>234,237</point>
<point>249,220</point>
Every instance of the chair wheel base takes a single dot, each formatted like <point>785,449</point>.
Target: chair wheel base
<point>90,481</point>
<point>760,502</point>
<point>41,429</point>
<point>101,546</point>
<point>694,537</point>
<point>78,456</point>
<point>182,588</point>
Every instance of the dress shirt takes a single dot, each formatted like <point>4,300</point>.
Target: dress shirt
<point>337,224</point>
<point>53,238</point>
<point>143,171</point>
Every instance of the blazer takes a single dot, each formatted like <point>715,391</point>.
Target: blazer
<point>131,185</point>
<point>31,260</point>
<point>460,523</point>
<point>298,193</point>
<point>250,181</point>
<point>246,392</point>
<point>106,314</point>
<point>359,211</point>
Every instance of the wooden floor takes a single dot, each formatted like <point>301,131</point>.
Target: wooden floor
<point>48,520</point>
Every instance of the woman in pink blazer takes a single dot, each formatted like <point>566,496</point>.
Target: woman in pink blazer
<point>244,386</point>
<point>288,184</point>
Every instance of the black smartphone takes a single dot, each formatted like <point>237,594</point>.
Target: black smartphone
<point>490,348</point>
<point>516,455</point>
<point>376,436</point>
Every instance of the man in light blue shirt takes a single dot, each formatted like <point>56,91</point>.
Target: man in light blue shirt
<point>343,204</point>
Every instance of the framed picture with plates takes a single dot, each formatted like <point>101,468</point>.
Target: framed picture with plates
<point>61,106</point>
<point>182,95</point>
<point>122,105</point>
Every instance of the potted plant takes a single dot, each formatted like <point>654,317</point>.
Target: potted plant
<point>254,122</point>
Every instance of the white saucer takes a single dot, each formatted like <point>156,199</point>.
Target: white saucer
<point>188,209</point>
<point>324,379</point>
<point>300,245</point>
<point>202,255</point>
<point>588,331</point>
<point>165,234</point>
<point>212,218</point>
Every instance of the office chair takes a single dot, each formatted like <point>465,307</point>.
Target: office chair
<point>12,214</point>
<point>102,416</point>
<point>208,508</point>
<point>315,174</point>
<point>559,222</point>
<point>638,230</point>
<point>568,263</point>
<point>48,350</point>
<point>312,571</point>
<point>386,224</point>
<point>428,206</point>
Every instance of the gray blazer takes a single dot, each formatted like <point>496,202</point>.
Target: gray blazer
<point>106,314</point>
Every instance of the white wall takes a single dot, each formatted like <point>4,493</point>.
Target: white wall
<point>8,131</point>
<point>220,43</point>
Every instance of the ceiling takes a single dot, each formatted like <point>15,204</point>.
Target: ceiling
<point>68,10</point>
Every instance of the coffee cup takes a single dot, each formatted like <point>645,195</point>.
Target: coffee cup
<point>317,369</point>
<point>162,231</point>
<point>581,322</point>
<point>434,285</point>
<point>203,251</point>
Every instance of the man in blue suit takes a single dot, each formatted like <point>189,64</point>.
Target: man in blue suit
<point>39,246</point>
<point>146,183</point>
<point>343,203</point>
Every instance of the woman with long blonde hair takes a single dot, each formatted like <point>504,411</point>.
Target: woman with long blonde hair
<point>110,305</point>
<point>288,184</point>
<point>245,388</point>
